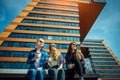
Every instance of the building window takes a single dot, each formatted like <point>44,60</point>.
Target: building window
<point>50,22</point>
<point>57,6</point>
<point>47,29</point>
<point>13,54</point>
<point>32,45</point>
<point>36,36</point>
<point>55,11</point>
<point>90,44</point>
<point>52,16</point>
<point>14,65</point>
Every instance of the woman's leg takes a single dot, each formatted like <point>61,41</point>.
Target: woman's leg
<point>70,74</point>
<point>61,74</point>
<point>83,68</point>
<point>32,74</point>
<point>78,67</point>
<point>53,73</point>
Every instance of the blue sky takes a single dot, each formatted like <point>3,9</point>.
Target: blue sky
<point>107,25</point>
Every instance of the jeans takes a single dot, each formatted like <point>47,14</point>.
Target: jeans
<point>33,74</point>
<point>56,74</point>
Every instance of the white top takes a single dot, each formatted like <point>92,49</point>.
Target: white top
<point>38,59</point>
<point>53,62</point>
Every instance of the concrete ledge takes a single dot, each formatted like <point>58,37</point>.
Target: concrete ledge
<point>18,74</point>
<point>13,71</point>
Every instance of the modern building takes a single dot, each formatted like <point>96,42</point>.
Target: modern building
<point>102,60</point>
<point>59,22</point>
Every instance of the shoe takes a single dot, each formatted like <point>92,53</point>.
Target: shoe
<point>81,78</point>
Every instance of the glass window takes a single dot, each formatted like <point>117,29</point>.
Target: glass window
<point>104,59</point>
<point>107,67</point>
<point>97,48</point>
<point>32,45</point>
<point>100,54</point>
<point>75,3</point>
<point>50,38</point>
<point>50,22</point>
<point>52,16</point>
<point>13,54</point>
<point>14,65</point>
<point>55,11</point>
<point>36,36</point>
<point>106,63</point>
<point>100,1</point>
<point>90,44</point>
<point>57,6</point>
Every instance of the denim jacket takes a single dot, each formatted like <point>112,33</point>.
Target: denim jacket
<point>43,59</point>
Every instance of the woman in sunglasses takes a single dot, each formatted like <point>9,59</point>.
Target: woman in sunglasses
<point>55,63</point>
<point>74,61</point>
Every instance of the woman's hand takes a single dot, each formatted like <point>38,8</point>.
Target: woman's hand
<point>70,66</point>
<point>60,67</point>
<point>49,63</point>
<point>49,59</point>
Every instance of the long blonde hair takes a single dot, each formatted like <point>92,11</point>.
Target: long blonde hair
<point>55,52</point>
<point>79,55</point>
<point>55,55</point>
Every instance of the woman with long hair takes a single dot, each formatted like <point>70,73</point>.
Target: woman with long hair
<point>74,60</point>
<point>55,63</point>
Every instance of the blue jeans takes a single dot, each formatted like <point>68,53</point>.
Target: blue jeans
<point>33,74</point>
<point>56,74</point>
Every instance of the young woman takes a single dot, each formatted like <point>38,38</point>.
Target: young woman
<point>74,60</point>
<point>55,63</point>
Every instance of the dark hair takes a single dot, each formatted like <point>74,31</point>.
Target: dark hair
<point>69,52</point>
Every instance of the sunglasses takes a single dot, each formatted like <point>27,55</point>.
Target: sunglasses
<point>53,46</point>
<point>74,44</point>
<point>41,41</point>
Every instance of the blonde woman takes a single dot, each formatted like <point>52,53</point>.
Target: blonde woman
<point>55,63</point>
<point>74,60</point>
